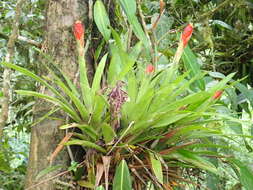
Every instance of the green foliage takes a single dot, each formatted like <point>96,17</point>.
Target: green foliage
<point>13,156</point>
<point>4,167</point>
<point>101,19</point>
<point>122,179</point>
<point>244,174</point>
<point>157,167</point>
<point>100,188</point>
<point>192,65</point>
<point>130,11</point>
<point>85,144</point>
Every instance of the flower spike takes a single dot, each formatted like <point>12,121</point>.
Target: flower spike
<point>187,33</point>
<point>217,94</point>
<point>150,69</point>
<point>79,32</point>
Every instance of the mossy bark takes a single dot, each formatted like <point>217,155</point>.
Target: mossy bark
<point>60,45</point>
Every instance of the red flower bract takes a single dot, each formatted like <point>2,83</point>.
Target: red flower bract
<point>187,33</point>
<point>217,94</point>
<point>78,30</point>
<point>150,69</point>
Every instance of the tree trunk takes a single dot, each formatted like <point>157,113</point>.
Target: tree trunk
<point>60,45</point>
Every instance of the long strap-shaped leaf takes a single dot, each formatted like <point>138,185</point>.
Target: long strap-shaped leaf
<point>70,83</point>
<point>38,79</point>
<point>84,83</point>
<point>53,100</point>
<point>98,75</point>
<point>86,144</point>
<point>86,129</point>
<point>191,64</point>
<point>79,105</point>
<point>102,20</point>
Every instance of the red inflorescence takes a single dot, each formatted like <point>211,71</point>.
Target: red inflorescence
<point>217,94</point>
<point>78,30</point>
<point>187,33</point>
<point>150,69</point>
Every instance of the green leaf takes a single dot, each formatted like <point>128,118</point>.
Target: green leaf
<point>99,74</point>
<point>212,181</point>
<point>101,19</point>
<point>73,166</point>
<point>222,24</point>
<point>70,83</point>
<point>165,120</point>
<point>100,105</point>
<point>86,144</point>
<point>100,188</point>
<point>72,95</point>
<point>156,167</point>
<point>53,100</point>
<point>194,159</point>
<point>35,77</point>
<point>191,64</point>
<point>222,83</point>
<point>245,174</point>
<point>86,184</point>
<point>122,179</point>
<point>4,164</point>
<point>129,7</point>
<point>84,83</point>
<point>48,170</point>
<point>99,50</point>
<point>216,75</point>
<point>108,133</point>
<point>118,41</point>
<point>115,65</point>
<point>86,129</point>
<point>245,91</point>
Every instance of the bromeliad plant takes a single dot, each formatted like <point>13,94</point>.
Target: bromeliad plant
<point>146,122</point>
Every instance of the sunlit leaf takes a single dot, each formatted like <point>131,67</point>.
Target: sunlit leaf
<point>156,167</point>
<point>86,184</point>
<point>191,64</point>
<point>108,133</point>
<point>101,19</point>
<point>122,179</point>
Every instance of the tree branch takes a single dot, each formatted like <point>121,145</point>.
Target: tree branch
<point>7,72</point>
<point>22,39</point>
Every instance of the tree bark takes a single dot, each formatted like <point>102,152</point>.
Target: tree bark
<point>60,45</point>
